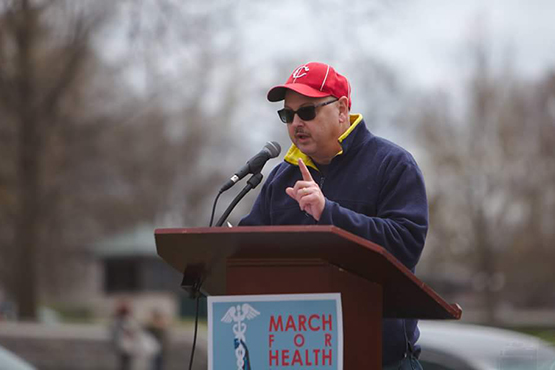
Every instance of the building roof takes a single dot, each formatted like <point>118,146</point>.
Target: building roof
<point>137,242</point>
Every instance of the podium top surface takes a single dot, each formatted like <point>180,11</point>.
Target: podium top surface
<point>404,294</point>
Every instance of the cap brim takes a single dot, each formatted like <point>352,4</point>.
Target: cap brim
<point>277,93</point>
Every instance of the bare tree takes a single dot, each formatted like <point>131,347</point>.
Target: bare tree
<point>201,95</point>
<point>488,173</point>
<point>37,69</point>
<point>92,158</point>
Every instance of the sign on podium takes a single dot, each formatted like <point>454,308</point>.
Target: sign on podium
<point>286,331</point>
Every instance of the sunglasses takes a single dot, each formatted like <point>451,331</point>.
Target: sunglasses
<point>306,113</point>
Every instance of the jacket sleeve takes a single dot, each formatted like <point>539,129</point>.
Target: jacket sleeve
<point>401,220</point>
<point>257,216</point>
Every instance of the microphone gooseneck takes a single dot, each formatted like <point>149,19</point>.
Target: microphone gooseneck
<point>253,166</point>
<point>251,184</point>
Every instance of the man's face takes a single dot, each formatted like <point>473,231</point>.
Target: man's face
<point>316,138</point>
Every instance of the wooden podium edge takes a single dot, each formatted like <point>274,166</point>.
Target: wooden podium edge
<point>454,310</point>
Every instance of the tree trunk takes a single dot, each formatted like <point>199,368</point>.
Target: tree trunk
<point>486,266</point>
<point>26,236</point>
<point>28,168</point>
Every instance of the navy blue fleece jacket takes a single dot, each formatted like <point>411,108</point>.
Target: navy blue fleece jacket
<point>374,189</point>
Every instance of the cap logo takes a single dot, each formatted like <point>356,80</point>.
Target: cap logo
<point>300,72</point>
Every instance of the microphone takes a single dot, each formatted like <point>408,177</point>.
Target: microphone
<point>255,164</point>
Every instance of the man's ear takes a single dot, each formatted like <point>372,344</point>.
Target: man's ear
<point>343,106</point>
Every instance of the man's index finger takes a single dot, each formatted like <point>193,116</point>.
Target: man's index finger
<point>304,170</point>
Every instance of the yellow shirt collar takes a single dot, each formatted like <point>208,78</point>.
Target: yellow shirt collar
<point>294,153</point>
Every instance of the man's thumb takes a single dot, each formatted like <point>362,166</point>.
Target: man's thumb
<point>290,192</point>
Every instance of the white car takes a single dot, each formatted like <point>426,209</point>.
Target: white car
<point>455,346</point>
<point>10,361</point>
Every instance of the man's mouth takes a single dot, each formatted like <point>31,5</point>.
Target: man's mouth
<point>302,135</point>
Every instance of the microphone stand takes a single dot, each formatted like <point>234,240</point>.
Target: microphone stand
<point>251,184</point>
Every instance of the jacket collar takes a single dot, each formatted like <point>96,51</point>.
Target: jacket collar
<point>345,140</point>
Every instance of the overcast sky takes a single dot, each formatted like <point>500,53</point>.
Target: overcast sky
<point>431,33</point>
<point>422,39</point>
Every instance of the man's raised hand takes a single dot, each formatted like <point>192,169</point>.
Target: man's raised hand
<point>308,194</point>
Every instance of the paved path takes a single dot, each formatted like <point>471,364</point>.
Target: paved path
<point>87,347</point>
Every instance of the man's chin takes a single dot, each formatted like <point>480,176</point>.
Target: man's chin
<point>307,149</point>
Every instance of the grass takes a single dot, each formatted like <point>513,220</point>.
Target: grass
<point>546,334</point>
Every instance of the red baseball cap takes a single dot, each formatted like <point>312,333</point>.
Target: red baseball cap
<point>315,80</point>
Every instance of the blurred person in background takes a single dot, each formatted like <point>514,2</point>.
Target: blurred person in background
<point>124,331</point>
<point>135,348</point>
<point>158,327</point>
<point>338,173</point>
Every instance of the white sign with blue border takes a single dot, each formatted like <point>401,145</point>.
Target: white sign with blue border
<point>293,331</point>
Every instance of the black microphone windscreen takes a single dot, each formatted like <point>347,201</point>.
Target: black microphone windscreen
<point>274,148</point>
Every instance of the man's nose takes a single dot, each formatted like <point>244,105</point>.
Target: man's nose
<point>297,121</point>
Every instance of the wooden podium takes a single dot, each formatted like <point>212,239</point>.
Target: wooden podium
<point>308,259</point>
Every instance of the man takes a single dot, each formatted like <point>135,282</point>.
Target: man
<point>338,173</point>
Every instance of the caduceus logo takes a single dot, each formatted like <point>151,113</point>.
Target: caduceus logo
<point>237,315</point>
